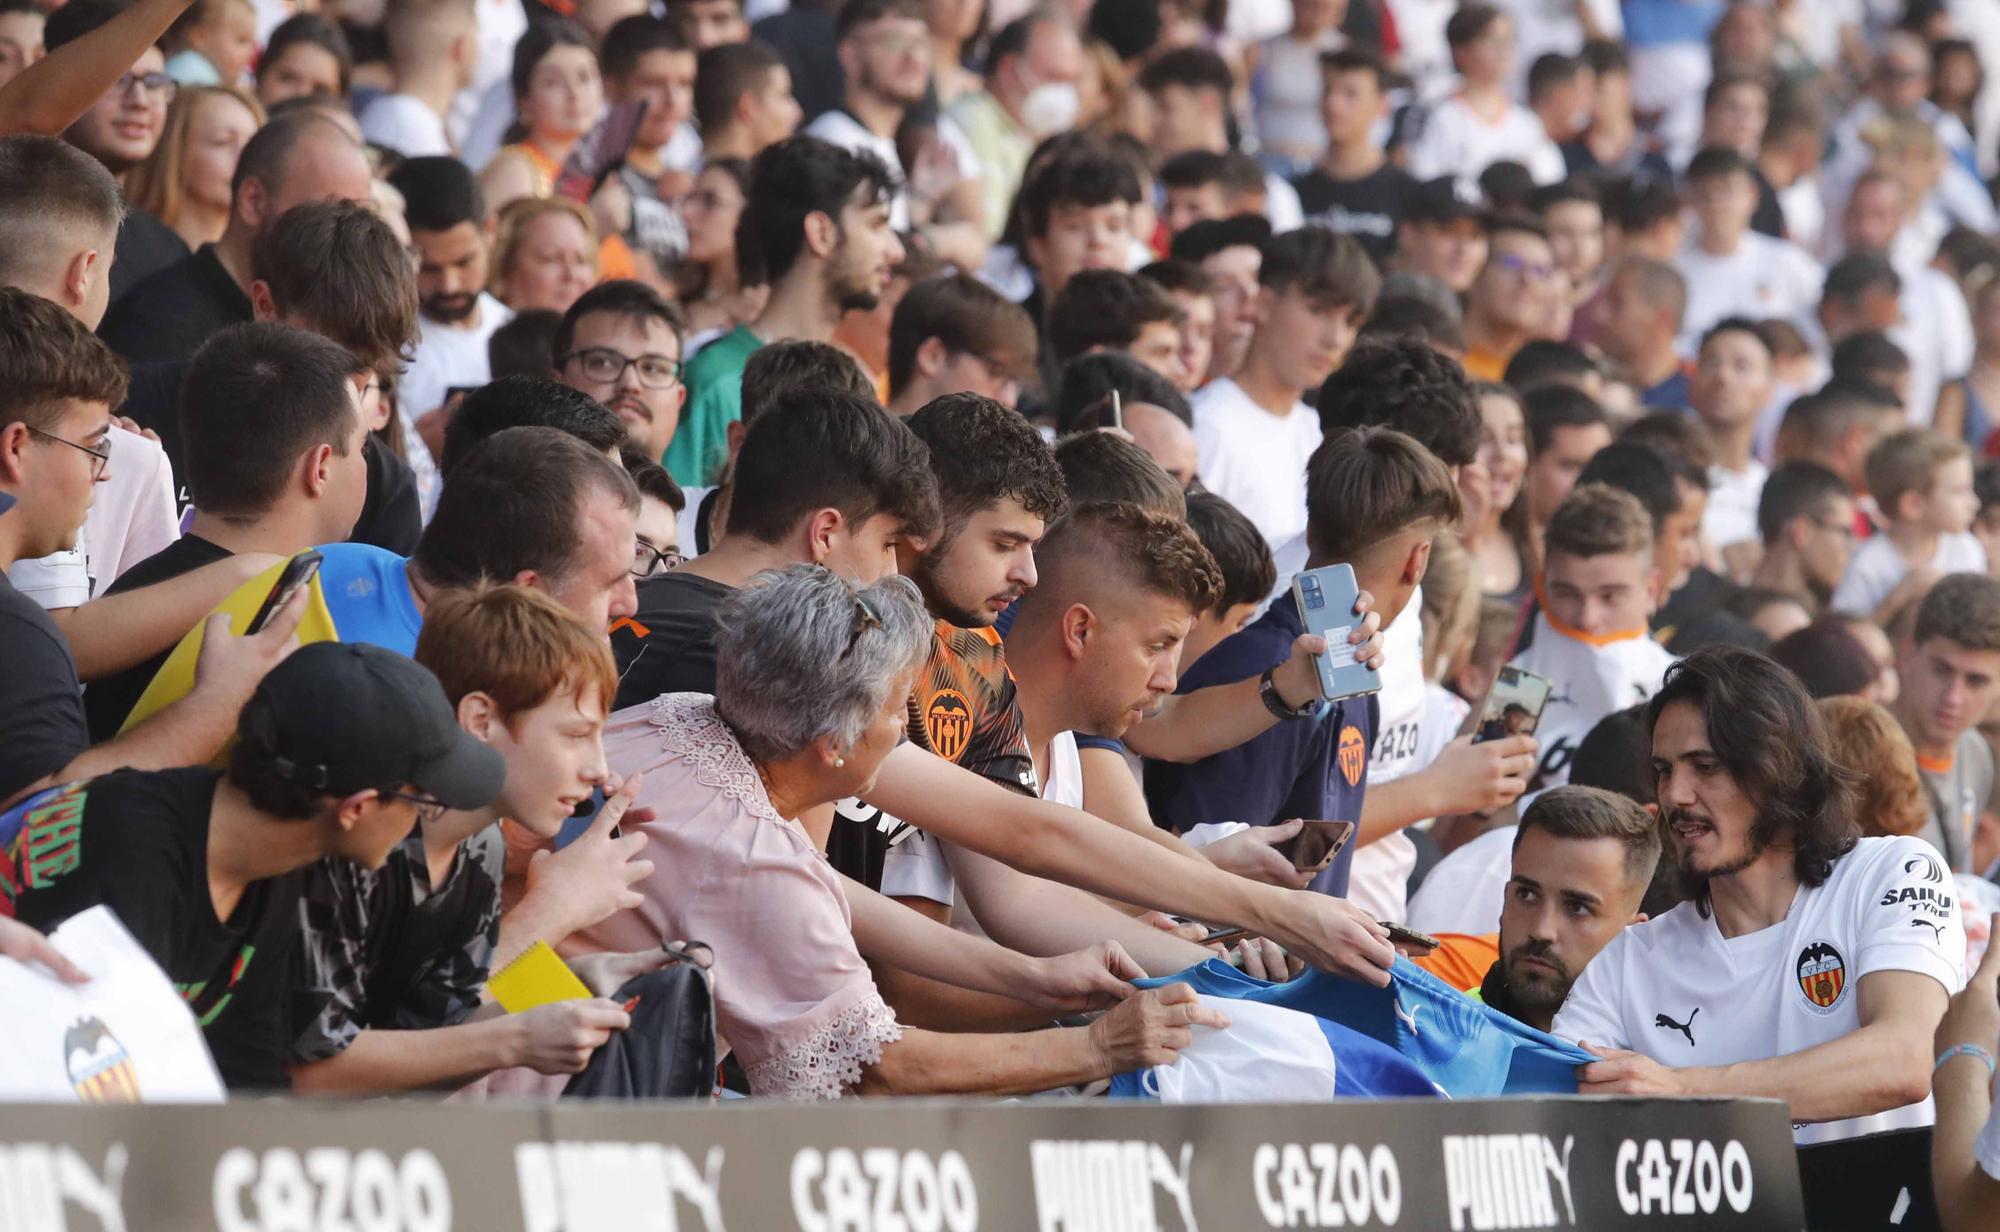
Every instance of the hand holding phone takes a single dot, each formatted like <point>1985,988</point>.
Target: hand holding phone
<point>299,570</point>
<point>1326,597</point>
<point>1404,936</point>
<point>1316,844</point>
<point>1513,705</point>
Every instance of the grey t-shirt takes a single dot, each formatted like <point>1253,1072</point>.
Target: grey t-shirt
<point>1958,795</point>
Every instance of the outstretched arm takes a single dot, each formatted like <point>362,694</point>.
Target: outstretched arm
<point>53,93</point>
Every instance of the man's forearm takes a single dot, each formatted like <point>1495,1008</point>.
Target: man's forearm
<point>53,93</point>
<point>385,1061</point>
<point>1394,806</point>
<point>1872,1070</point>
<point>1191,726</point>
<point>188,733</point>
<point>1042,917</point>
<point>110,634</point>
<point>1968,1200</point>
<point>888,932</point>
<point>934,1005</point>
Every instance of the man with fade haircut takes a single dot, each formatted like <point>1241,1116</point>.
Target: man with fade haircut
<point>1255,433</point>
<point>1562,883</point>
<point>433,54</point>
<point>1110,310</point>
<point>292,160</point>
<point>1599,586</point>
<point>953,334</point>
<point>448,227</point>
<point>1820,962</point>
<point>1644,303</point>
<point>1354,189</point>
<point>1838,426</point>
<point>1805,517</point>
<point>60,213</point>
<point>743,100</point>
<point>817,224</point>
<point>1076,211</point>
<point>620,344</point>
<point>1950,680</point>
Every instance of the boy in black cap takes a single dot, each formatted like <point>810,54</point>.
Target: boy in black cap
<point>1443,232</point>
<point>338,753</point>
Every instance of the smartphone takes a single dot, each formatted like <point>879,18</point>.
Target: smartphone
<point>1225,935</point>
<point>1410,936</point>
<point>1317,843</point>
<point>600,152</point>
<point>1325,597</point>
<point>1513,705</point>
<point>299,570</point>
<point>581,819</point>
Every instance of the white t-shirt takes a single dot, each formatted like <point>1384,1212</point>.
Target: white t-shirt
<point>449,355</point>
<point>501,25</point>
<point>1256,460</point>
<point>1589,682</point>
<point>1676,990</point>
<point>919,867</point>
<point>132,516</point>
<point>1763,278</point>
<point>1456,140</point>
<point>1876,567</point>
<point>1466,890</point>
<point>1379,881</point>
<point>404,124</point>
<point>836,127</point>
<point>1731,516</point>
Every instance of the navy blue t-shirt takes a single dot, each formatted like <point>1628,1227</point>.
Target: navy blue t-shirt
<point>1314,768</point>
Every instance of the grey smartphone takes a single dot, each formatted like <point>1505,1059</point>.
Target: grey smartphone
<point>1325,599</point>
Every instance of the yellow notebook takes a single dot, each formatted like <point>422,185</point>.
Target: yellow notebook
<point>535,978</point>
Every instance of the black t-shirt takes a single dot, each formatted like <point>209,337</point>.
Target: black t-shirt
<point>106,702</point>
<point>153,400</point>
<point>668,645</point>
<point>137,842</point>
<point>391,517</point>
<point>1367,209</point>
<point>145,247</point>
<point>41,704</point>
<point>170,314</point>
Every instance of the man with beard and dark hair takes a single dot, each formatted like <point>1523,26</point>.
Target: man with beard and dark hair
<point>1809,964</point>
<point>447,217</point>
<point>619,343</point>
<point>817,227</point>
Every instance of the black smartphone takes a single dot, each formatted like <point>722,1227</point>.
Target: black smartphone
<point>601,151</point>
<point>1410,936</point>
<point>299,570</point>
<point>1316,844</point>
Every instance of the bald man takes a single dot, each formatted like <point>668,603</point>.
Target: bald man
<point>1166,437</point>
<point>1643,307</point>
<point>299,158</point>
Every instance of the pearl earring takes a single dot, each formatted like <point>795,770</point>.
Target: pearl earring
<point>838,762</point>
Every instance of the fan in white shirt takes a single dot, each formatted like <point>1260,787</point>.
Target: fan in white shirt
<point>434,52</point>
<point>1730,388</point>
<point>1923,483</point>
<point>1481,124</point>
<point>1731,270</point>
<point>1810,966</point>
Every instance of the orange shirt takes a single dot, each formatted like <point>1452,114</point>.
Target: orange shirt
<point>1462,961</point>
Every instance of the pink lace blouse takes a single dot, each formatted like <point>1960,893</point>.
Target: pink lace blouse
<point>793,998</point>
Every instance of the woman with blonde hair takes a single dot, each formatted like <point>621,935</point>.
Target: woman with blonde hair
<point>185,183</point>
<point>545,253</point>
<point>1865,738</point>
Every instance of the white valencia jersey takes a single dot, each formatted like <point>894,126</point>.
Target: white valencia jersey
<point>1679,992</point>
<point>1589,681</point>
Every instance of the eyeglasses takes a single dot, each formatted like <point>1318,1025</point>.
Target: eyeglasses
<point>864,620</point>
<point>649,561</point>
<point>428,810</point>
<point>1844,529</point>
<point>1521,265</point>
<point>101,455</point>
<point>607,366</point>
<point>157,85</point>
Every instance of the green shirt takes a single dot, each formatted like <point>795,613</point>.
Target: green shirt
<point>715,400</point>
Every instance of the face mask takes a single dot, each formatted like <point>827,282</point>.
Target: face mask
<point>1050,108</point>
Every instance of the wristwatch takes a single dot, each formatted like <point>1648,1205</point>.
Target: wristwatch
<point>1267,690</point>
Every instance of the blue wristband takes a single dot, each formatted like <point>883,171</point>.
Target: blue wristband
<point>1964,1050</point>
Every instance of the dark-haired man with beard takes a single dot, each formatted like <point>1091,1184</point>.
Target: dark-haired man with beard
<point>447,218</point>
<point>1808,964</point>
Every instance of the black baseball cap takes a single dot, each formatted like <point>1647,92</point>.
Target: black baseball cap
<point>342,717</point>
<point>1448,198</point>
<point>1202,240</point>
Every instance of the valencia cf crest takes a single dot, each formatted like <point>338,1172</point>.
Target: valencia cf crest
<point>99,1067</point>
<point>1353,755</point>
<point>948,723</point>
<point>1822,976</point>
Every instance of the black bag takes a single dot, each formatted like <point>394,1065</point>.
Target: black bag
<point>669,1050</point>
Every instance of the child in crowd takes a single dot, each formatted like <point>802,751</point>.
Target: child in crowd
<point>1923,484</point>
<point>213,43</point>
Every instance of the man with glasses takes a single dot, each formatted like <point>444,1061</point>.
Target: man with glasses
<point>120,130</point>
<point>619,344</point>
<point>1509,303</point>
<point>339,752</point>
<point>1805,516</point>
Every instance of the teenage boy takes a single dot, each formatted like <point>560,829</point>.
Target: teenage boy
<point>1950,680</point>
<point>1254,431</point>
<point>1800,944</point>
<point>1443,233</point>
<point>1355,189</point>
<point>1192,294</point>
<point>1111,310</point>
<point>619,344</point>
<point>817,223</point>
<point>1730,269</point>
<point>743,100</point>
<point>433,54</point>
<point>447,218</point>
<point>1922,483</point>
<point>952,334</point>
<point>1190,89</point>
<point>57,386</point>
<point>338,752</point>
<point>646,60</point>
<point>1599,586</point>
<point>1805,518</point>
<point>1480,123</point>
<point>1731,387</point>
<point>400,954</point>
<point>1076,214</point>
<point>1511,300</point>
<point>1227,255</point>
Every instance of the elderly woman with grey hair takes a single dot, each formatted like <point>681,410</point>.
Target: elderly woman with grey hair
<point>812,678</point>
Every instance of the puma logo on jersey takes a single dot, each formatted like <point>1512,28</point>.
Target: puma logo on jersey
<point>1685,1028</point>
<point>1937,930</point>
<point>1408,1017</point>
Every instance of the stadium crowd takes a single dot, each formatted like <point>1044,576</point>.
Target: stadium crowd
<point>826,481</point>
